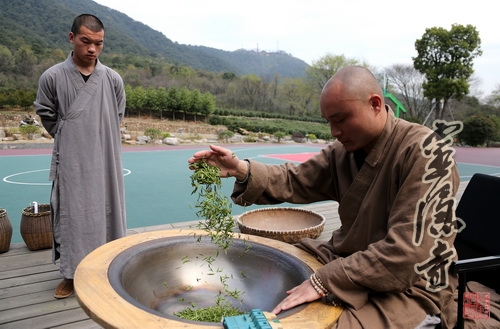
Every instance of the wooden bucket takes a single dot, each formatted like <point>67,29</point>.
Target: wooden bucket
<point>36,229</point>
<point>5,231</point>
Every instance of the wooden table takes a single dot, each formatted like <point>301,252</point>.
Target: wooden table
<point>105,306</point>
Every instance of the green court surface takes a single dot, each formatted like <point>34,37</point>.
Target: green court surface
<point>157,180</point>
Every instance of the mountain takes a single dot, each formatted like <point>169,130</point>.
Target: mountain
<point>46,23</point>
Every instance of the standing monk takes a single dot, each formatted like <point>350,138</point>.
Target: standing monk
<point>81,103</point>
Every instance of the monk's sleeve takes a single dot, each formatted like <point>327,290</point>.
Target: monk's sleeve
<point>45,103</point>
<point>120,95</point>
<point>413,251</point>
<point>310,181</point>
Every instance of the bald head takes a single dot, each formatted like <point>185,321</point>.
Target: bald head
<point>352,102</point>
<point>354,82</point>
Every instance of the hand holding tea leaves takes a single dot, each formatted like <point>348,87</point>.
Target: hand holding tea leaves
<point>225,160</point>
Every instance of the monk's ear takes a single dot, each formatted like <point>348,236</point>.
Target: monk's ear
<point>376,102</point>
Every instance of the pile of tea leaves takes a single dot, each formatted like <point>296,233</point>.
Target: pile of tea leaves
<point>209,314</point>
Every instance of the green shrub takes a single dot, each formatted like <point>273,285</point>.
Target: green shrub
<point>279,135</point>
<point>11,131</point>
<point>270,126</point>
<point>225,135</point>
<point>496,120</point>
<point>153,133</point>
<point>29,129</point>
<point>478,130</point>
<point>249,139</point>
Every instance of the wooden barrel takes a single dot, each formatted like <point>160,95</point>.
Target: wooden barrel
<point>5,231</point>
<point>36,229</point>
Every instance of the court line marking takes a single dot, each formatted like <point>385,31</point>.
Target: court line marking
<point>7,180</point>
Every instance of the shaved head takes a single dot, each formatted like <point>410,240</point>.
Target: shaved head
<point>352,102</point>
<point>354,83</point>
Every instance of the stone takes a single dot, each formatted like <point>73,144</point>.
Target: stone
<point>143,139</point>
<point>171,141</point>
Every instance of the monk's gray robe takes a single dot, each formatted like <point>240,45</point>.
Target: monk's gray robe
<point>87,198</point>
<point>388,262</point>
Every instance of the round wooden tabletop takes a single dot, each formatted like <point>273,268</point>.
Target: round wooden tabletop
<point>105,306</point>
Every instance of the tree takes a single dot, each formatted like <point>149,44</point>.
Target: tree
<point>160,100</point>
<point>446,59</point>
<point>494,98</point>
<point>228,76</point>
<point>24,60</point>
<point>295,96</point>
<point>184,101</point>
<point>173,100</point>
<point>207,104</point>
<point>406,81</point>
<point>251,87</point>
<point>136,98</point>
<point>478,129</point>
<point>6,59</point>
<point>322,69</point>
<point>194,102</point>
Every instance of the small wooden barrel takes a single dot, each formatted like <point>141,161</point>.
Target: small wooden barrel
<point>5,231</point>
<point>36,229</point>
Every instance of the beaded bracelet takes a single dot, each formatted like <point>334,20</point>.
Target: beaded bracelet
<point>323,292</point>
<point>318,285</point>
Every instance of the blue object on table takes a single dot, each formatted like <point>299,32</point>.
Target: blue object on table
<point>254,320</point>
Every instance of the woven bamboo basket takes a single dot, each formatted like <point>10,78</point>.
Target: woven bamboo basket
<point>5,231</point>
<point>36,229</point>
<point>282,223</point>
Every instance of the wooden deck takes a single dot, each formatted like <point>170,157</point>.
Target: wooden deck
<point>28,279</point>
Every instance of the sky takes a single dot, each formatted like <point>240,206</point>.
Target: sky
<point>380,33</point>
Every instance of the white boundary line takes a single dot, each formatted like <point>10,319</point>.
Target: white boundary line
<point>7,178</point>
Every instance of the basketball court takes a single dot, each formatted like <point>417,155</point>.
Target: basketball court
<point>157,179</point>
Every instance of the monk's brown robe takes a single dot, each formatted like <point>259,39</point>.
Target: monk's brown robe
<point>389,261</point>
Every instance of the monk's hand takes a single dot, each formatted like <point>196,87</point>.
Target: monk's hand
<point>299,295</point>
<point>224,159</point>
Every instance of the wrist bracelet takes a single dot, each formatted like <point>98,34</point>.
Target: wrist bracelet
<point>318,285</point>
<point>323,292</point>
<point>248,173</point>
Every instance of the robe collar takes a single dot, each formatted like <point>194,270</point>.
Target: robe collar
<point>376,153</point>
<point>97,69</point>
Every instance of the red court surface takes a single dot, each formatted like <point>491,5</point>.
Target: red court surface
<point>466,155</point>
<point>296,157</point>
<point>482,156</point>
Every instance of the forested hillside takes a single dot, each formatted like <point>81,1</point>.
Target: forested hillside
<point>46,23</point>
<point>161,77</point>
<point>244,89</point>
